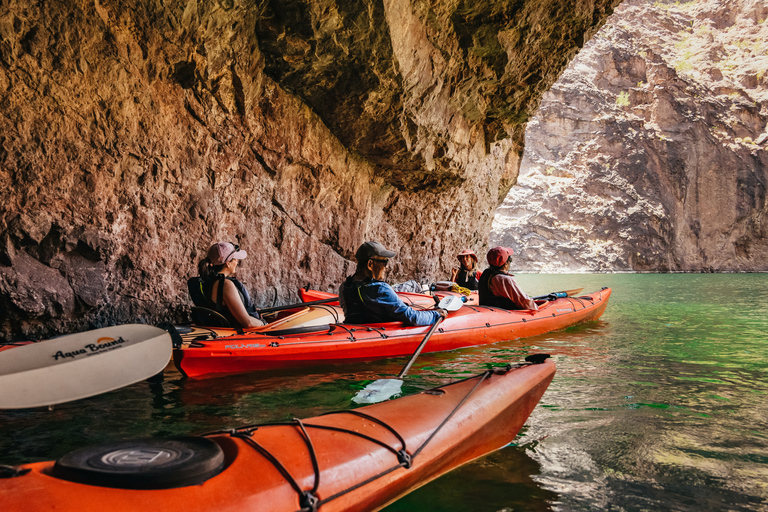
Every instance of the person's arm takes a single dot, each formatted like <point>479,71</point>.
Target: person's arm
<point>454,273</point>
<point>506,286</point>
<point>389,305</point>
<point>235,306</point>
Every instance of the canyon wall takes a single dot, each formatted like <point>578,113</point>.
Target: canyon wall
<point>651,151</point>
<point>134,133</point>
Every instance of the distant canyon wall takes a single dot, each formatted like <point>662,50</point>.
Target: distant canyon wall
<point>134,133</point>
<point>651,151</point>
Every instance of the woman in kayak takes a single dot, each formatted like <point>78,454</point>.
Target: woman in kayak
<point>467,275</point>
<point>366,299</point>
<point>216,274</point>
<point>497,288</point>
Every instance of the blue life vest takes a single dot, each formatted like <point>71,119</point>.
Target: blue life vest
<point>355,310</point>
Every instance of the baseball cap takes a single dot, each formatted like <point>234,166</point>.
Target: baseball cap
<point>223,252</point>
<point>369,249</point>
<point>498,256</point>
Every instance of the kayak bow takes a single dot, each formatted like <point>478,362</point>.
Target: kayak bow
<point>354,460</point>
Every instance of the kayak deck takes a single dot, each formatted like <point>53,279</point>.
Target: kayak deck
<point>228,352</point>
<point>347,461</point>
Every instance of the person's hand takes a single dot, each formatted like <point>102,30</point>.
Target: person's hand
<point>454,273</point>
<point>443,312</point>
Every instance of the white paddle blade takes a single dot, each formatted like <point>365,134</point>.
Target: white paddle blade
<point>80,365</point>
<point>451,303</point>
<point>378,391</point>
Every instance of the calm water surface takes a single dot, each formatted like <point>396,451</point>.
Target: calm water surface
<point>660,405</point>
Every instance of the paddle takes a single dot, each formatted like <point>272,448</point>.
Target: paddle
<point>559,295</point>
<point>80,365</point>
<point>299,305</point>
<point>382,389</point>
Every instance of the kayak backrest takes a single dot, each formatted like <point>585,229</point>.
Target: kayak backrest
<point>208,317</point>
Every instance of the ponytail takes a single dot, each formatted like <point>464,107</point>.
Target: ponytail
<point>208,271</point>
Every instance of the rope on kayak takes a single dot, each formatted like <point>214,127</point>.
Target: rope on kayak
<point>308,499</point>
<point>483,376</point>
<point>407,463</point>
<point>402,455</point>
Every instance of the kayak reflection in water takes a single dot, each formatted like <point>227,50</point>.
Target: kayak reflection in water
<point>216,271</point>
<point>497,288</point>
<point>367,299</point>
<point>467,275</point>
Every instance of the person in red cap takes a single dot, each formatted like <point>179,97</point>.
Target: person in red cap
<point>367,299</point>
<point>497,288</point>
<point>467,275</point>
<point>216,274</point>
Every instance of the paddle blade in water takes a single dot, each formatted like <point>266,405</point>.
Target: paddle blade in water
<point>378,391</point>
<point>80,365</point>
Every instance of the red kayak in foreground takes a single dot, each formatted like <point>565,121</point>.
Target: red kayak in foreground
<point>225,352</point>
<point>356,460</point>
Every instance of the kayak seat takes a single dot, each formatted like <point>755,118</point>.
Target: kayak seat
<point>146,463</point>
<point>208,317</point>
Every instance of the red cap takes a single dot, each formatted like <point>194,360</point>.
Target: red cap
<point>498,256</point>
<point>468,252</point>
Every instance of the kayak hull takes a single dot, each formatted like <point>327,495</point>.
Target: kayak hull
<point>343,343</point>
<point>479,415</point>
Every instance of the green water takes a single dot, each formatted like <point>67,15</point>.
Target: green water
<point>660,405</point>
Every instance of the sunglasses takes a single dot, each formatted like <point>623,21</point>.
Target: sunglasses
<point>237,248</point>
<point>383,261</point>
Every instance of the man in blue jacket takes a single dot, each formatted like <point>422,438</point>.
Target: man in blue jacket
<point>366,299</point>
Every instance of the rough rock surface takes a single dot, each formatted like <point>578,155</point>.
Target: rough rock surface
<point>134,133</point>
<point>651,151</point>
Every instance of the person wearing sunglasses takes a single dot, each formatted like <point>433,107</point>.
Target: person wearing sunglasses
<point>217,271</point>
<point>367,299</point>
<point>497,287</point>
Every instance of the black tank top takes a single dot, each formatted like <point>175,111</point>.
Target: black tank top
<point>467,279</point>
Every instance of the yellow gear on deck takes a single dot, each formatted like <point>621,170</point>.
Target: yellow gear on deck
<point>460,289</point>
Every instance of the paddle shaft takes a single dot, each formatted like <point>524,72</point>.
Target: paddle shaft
<point>299,305</point>
<point>421,346</point>
<point>568,293</point>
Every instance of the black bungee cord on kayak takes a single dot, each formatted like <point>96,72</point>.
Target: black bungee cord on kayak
<point>308,499</point>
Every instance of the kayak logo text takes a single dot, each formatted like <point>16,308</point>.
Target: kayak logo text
<point>244,345</point>
<point>99,346</point>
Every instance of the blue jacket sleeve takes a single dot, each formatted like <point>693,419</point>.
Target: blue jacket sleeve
<point>389,305</point>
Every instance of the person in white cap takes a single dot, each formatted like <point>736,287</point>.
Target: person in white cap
<point>497,287</point>
<point>366,299</point>
<point>216,274</point>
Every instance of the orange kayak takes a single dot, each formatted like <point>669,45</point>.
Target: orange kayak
<point>354,460</point>
<point>224,351</point>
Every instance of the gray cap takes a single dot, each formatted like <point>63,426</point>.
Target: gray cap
<point>369,249</point>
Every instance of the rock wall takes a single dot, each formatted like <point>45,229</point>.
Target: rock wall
<point>134,133</point>
<point>651,151</point>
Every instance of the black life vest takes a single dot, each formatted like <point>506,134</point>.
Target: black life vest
<point>201,290</point>
<point>468,279</point>
<point>489,299</point>
<point>355,310</point>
